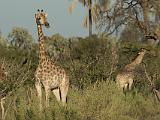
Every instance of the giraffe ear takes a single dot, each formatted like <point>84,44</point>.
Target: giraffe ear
<point>35,15</point>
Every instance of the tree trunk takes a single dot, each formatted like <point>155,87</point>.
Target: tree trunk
<point>90,23</point>
<point>145,8</point>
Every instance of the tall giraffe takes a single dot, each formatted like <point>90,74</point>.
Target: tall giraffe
<point>52,76</point>
<point>126,76</point>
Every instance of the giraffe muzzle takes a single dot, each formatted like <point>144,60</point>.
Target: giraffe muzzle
<point>47,24</point>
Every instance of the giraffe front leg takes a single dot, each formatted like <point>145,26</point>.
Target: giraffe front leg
<point>121,85</point>
<point>125,87</point>
<point>39,92</point>
<point>130,83</point>
<point>64,95</point>
<point>57,94</point>
<point>47,92</point>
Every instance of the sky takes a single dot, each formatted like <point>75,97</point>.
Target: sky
<point>21,13</point>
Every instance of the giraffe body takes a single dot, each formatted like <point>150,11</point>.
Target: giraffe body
<point>48,73</point>
<point>125,78</point>
<point>53,78</point>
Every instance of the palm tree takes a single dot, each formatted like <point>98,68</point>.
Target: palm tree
<point>93,7</point>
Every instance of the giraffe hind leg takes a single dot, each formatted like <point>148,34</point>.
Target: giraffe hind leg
<point>47,93</point>
<point>125,86</point>
<point>57,94</point>
<point>39,92</point>
<point>64,91</point>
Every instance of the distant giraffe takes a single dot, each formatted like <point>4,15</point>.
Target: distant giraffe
<point>3,75</point>
<point>52,76</point>
<point>126,76</point>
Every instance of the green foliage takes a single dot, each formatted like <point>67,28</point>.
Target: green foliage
<point>92,94</point>
<point>131,30</point>
<point>56,46</point>
<point>20,37</point>
<point>16,76</point>
<point>89,61</point>
<point>101,101</point>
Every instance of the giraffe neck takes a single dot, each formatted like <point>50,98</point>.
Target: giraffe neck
<point>132,66</point>
<point>42,53</point>
<point>136,62</point>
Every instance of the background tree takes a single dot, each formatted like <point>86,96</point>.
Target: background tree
<point>139,13</point>
<point>130,30</point>
<point>3,40</point>
<point>20,37</point>
<point>93,8</point>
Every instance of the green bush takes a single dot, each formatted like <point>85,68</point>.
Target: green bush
<point>90,65</point>
<point>101,101</point>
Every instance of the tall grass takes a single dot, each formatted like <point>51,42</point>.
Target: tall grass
<point>103,101</point>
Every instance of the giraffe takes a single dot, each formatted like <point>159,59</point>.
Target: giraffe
<point>3,75</point>
<point>126,76</point>
<point>48,73</point>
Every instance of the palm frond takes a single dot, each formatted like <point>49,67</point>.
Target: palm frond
<point>72,6</point>
<point>85,21</point>
<point>95,12</point>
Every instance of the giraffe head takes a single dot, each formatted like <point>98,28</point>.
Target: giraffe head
<point>142,51</point>
<point>41,18</point>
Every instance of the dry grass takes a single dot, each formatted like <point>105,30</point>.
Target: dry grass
<point>101,102</point>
